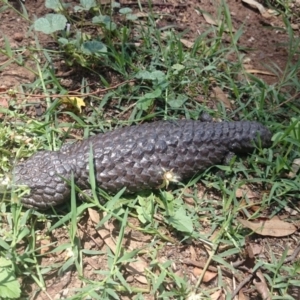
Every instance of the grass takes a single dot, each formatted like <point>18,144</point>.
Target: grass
<point>147,74</point>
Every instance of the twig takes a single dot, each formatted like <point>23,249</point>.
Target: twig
<point>248,278</point>
<point>238,263</point>
<point>241,285</point>
<point>201,265</point>
<point>71,94</point>
<point>293,256</point>
<point>157,4</point>
<point>206,265</point>
<point>286,101</point>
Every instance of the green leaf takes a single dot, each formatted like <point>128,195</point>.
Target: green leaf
<point>101,19</point>
<point>178,102</point>
<point>88,4</point>
<point>93,47</point>
<point>145,209</point>
<point>63,41</point>
<point>131,17</point>
<point>156,93</point>
<point>105,20</point>
<point>115,5</point>
<point>159,281</point>
<point>112,293</point>
<point>9,285</point>
<point>177,68</point>
<point>50,23</point>
<point>125,10</point>
<point>3,244</point>
<point>181,221</point>
<point>154,75</point>
<point>56,5</point>
<point>147,100</point>
<point>144,104</point>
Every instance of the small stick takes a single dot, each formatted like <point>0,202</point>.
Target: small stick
<point>72,93</point>
<point>241,285</point>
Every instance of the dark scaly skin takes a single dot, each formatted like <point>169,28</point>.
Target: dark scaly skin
<point>136,157</point>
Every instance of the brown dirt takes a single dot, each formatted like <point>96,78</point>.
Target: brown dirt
<point>262,39</point>
<point>263,45</point>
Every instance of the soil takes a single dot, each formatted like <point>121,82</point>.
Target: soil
<point>265,43</point>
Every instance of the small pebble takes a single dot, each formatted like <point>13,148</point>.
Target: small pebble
<point>18,37</point>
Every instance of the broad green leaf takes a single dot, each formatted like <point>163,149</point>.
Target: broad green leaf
<point>178,102</point>
<point>154,75</point>
<point>88,4</point>
<point>9,285</point>
<point>145,209</point>
<point>115,5</point>
<point>181,221</point>
<point>93,47</point>
<point>63,41</point>
<point>101,19</point>
<point>156,93</point>
<point>147,100</point>
<point>177,68</point>
<point>50,23</point>
<point>144,104</point>
<point>105,20</point>
<point>56,5</point>
<point>125,10</point>
<point>131,17</point>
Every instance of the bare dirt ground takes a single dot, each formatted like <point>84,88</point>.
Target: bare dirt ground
<point>263,39</point>
<point>263,45</point>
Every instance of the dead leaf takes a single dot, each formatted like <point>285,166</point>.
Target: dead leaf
<point>187,199</point>
<point>255,71</point>
<point>291,211</point>
<point>255,4</point>
<point>187,43</point>
<point>266,15</point>
<point>193,254</point>
<point>75,102</point>
<point>3,104</point>
<point>208,276</point>
<point>256,249</point>
<point>273,12</point>
<point>262,286</point>
<point>244,191</point>
<point>242,296</point>
<point>103,231</point>
<point>216,295</point>
<point>294,168</point>
<point>3,89</point>
<point>45,245</point>
<point>141,14</point>
<point>137,269</point>
<point>221,97</point>
<point>94,215</point>
<point>273,227</point>
<point>208,18</point>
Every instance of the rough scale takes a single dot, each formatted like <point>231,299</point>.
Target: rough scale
<point>136,157</point>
